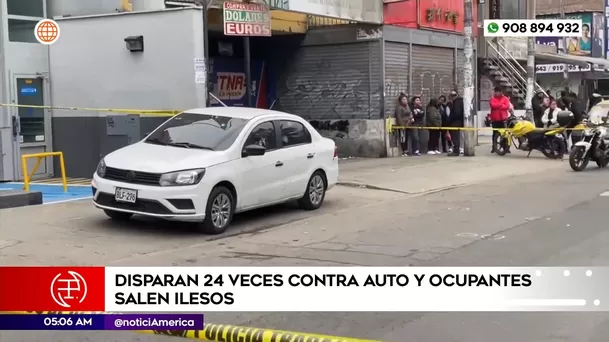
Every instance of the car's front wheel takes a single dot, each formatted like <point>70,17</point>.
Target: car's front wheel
<point>118,215</point>
<point>316,192</point>
<point>219,212</point>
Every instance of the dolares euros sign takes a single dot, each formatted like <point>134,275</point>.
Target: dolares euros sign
<point>246,20</point>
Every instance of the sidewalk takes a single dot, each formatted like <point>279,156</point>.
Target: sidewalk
<point>415,175</point>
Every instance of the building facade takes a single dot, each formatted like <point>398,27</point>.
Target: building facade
<point>341,70</point>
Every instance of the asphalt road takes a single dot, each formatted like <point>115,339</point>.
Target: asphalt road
<point>554,218</point>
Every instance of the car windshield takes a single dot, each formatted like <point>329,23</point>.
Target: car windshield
<point>597,113</point>
<point>199,131</point>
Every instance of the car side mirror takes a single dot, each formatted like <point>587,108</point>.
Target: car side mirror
<point>253,150</point>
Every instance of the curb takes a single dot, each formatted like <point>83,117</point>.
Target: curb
<point>19,198</point>
<point>423,192</point>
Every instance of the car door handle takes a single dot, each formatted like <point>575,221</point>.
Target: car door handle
<point>278,164</point>
<point>310,155</point>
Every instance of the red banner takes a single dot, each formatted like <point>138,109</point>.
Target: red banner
<point>446,15</point>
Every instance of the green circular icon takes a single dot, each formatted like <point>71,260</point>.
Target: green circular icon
<point>493,28</point>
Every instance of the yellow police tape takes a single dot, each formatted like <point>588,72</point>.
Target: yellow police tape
<point>152,112</point>
<point>391,128</point>
<point>224,332</point>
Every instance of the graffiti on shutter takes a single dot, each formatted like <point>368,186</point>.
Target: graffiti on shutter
<point>432,71</point>
<point>396,74</point>
<point>332,82</point>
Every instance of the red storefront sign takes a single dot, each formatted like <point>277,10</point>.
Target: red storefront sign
<point>442,15</point>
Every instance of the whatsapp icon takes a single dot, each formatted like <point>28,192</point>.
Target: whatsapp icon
<point>493,28</point>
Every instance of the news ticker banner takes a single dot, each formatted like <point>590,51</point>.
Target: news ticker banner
<point>303,289</point>
<point>174,322</point>
<point>536,28</point>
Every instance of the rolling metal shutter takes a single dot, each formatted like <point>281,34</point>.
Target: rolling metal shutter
<point>396,74</point>
<point>432,71</point>
<point>333,82</point>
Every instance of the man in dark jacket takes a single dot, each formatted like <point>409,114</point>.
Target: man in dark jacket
<point>539,107</point>
<point>562,100</point>
<point>456,120</point>
<point>444,111</point>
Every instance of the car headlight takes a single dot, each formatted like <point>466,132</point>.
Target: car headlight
<point>101,168</point>
<point>179,178</point>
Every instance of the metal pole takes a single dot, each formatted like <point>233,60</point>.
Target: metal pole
<point>530,64</point>
<point>565,43</point>
<point>469,141</point>
<point>208,79</point>
<point>248,70</point>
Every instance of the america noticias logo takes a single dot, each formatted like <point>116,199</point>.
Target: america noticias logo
<point>68,289</point>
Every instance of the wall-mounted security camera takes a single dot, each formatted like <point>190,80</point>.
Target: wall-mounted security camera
<point>135,43</point>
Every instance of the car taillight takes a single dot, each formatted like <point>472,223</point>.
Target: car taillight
<point>335,151</point>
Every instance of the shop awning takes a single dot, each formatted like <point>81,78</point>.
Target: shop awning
<point>545,57</point>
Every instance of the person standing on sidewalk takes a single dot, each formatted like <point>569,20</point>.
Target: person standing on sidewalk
<point>403,118</point>
<point>445,112</point>
<point>500,105</point>
<point>418,117</point>
<point>540,104</point>
<point>434,119</point>
<point>456,121</point>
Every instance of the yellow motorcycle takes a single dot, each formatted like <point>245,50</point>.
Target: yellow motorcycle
<point>524,136</point>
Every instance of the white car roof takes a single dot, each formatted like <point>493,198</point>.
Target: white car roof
<point>238,112</point>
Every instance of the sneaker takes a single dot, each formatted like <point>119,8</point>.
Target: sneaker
<point>461,151</point>
<point>450,150</point>
<point>417,153</point>
<point>438,152</point>
<point>404,154</point>
<point>431,153</point>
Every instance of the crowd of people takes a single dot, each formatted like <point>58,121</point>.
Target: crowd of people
<point>441,112</point>
<point>449,112</point>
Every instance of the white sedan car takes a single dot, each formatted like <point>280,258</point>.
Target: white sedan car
<point>205,165</point>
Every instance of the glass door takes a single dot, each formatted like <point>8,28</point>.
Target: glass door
<point>31,123</point>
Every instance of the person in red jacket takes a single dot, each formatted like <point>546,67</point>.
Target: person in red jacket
<point>500,106</point>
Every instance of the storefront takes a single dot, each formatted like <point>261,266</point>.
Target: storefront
<point>423,50</point>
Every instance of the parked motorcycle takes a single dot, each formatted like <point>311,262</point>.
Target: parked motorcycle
<point>593,146</point>
<point>523,135</point>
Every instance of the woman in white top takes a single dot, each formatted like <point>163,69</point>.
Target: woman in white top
<point>550,116</point>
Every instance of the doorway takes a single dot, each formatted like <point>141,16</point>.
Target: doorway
<point>31,125</point>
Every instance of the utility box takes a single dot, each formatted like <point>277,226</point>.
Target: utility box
<point>127,126</point>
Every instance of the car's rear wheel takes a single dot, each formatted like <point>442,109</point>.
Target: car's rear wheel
<point>316,192</point>
<point>118,215</point>
<point>219,212</point>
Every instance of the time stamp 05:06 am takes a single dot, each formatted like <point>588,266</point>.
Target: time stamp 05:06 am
<point>535,28</point>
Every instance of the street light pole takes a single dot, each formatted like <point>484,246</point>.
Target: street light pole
<point>469,135</point>
<point>530,63</point>
<point>208,81</point>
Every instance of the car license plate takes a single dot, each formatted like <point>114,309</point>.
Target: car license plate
<point>125,195</point>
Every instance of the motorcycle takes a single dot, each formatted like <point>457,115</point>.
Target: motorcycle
<point>593,146</point>
<point>523,135</point>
